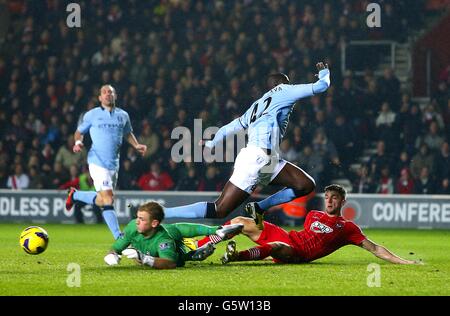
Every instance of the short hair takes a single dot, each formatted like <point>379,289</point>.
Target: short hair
<point>106,85</point>
<point>277,78</point>
<point>337,188</point>
<point>154,209</point>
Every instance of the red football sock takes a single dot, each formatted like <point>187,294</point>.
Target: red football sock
<point>214,238</point>
<point>256,253</point>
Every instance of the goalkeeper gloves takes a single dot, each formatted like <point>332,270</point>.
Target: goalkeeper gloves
<point>132,253</point>
<point>112,259</point>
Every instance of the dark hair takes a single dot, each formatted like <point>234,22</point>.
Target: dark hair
<point>278,78</point>
<point>154,209</point>
<point>337,188</point>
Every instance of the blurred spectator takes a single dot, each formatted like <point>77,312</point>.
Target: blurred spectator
<point>325,148</point>
<point>155,179</point>
<point>424,158</point>
<point>126,179</point>
<point>343,137</point>
<point>57,176</point>
<point>67,157</point>
<point>211,180</point>
<point>364,183</point>
<point>431,138</point>
<point>149,138</point>
<point>385,183</point>
<point>73,178</point>
<point>18,180</point>
<point>425,183</point>
<point>389,89</point>
<point>313,163</point>
<point>287,152</point>
<point>405,183</point>
<point>385,125</point>
<point>402,163</point>
<point>3,177</point>
<point>189,182</point>
<point>444,187</point>
<point>36,179</point>
<point>431,114</point>
<point>379,159</point>
<point>443,162</point>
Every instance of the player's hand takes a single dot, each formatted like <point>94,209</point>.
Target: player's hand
<point>78,148</point>
<point>141,149</point>
<point>132,253</point>
<point>112,259</point>
<point>321,66</point>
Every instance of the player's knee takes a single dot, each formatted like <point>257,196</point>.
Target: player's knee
<point>242,220</point>
<point>282,252</point>
<point>99,200</point>
<point>304,186</point>
<point>108,199</point>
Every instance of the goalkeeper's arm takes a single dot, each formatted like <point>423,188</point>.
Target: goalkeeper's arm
<point>154,262</point>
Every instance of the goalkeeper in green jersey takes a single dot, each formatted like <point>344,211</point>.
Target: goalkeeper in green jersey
<point>161,245</point>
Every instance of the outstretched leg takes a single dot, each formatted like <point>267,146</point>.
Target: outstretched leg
<point>278,250</point>
<point>238,225</point>
<point>297,183</point>
<point>230,198</point>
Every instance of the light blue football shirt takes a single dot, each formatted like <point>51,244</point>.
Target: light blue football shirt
<point>107,130</point>
<point>268,117</point>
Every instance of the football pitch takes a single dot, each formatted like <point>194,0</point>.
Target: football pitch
<point>73,265</point>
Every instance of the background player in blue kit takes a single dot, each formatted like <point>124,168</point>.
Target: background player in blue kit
<point>107,125</point>
<point>259,162</point>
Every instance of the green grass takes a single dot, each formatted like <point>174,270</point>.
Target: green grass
<point>342,273</point>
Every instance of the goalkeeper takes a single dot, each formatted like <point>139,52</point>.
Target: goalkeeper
<point>161,245</point>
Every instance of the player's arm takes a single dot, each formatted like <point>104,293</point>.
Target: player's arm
<point>83,127</point>
<point>383,253</point>
<point>166,258</point>
<point>306,90</point>
<point>132,140</point>
<point>112,258</point>
<point>121,243</point>
<point>231,128</point>
<point>323,83</point>
<point>158,263</point>
<point>78,142</point>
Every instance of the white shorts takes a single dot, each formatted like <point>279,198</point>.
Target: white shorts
<point>254,166</point>
<point>104,179</point>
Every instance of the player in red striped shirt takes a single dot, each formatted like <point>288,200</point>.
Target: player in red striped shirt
<point>324,232</point>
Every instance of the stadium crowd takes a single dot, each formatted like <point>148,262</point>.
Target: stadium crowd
<point>174,61</point>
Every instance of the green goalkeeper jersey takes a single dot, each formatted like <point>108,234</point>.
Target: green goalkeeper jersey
<point>166,243</point>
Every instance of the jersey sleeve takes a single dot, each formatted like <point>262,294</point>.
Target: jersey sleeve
<point>230,129</point>
<point>167,249</point>
<point>355,235</point>
<point>85,122</point>
<point>300,91</point>
<point>125,239</point>
<point>127,128</point>
<point>244,120</point>
<point>323,83</point>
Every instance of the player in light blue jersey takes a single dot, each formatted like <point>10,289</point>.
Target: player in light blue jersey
<point>259,162</point>
<point>107,126</point>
